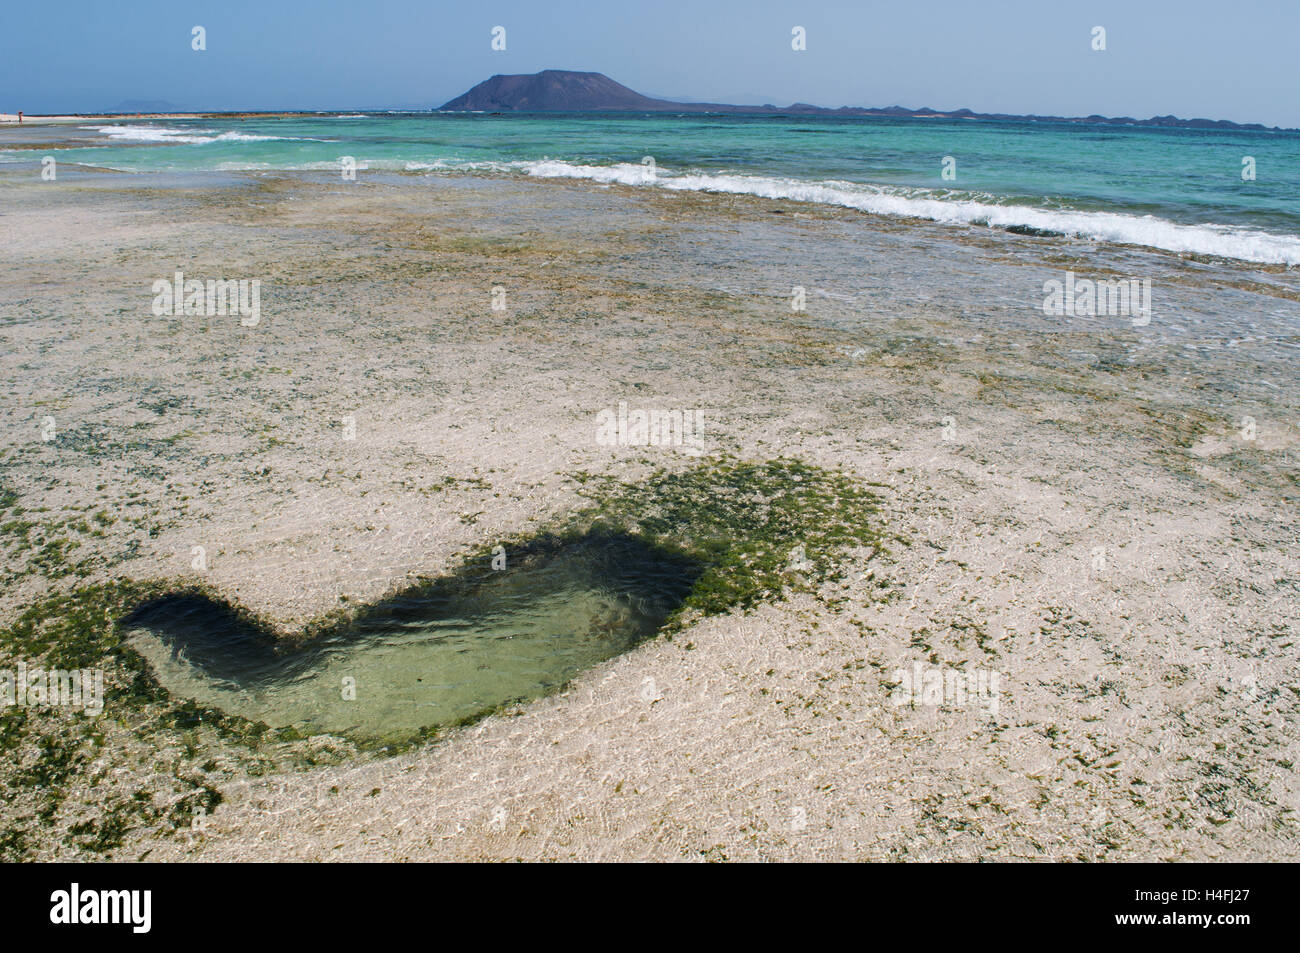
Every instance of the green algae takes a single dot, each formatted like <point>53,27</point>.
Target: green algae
<point>755,530</point>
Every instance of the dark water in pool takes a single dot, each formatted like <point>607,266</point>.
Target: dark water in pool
<point>431,655</point>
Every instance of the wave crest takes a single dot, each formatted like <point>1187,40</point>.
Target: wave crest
<point>1224,241</point>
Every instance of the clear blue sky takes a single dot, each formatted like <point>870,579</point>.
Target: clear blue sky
<point>1234,60</point>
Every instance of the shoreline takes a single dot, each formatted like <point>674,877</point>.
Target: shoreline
<point>1266,233</point>
<point>81,117</point>
<point>801,111</point>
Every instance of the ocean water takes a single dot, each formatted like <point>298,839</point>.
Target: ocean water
<point>1176,189</point>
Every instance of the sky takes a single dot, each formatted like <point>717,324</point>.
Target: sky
<point>1192,58</point>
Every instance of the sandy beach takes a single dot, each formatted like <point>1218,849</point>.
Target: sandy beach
<point>45,120</point>
<point>1078,505</point>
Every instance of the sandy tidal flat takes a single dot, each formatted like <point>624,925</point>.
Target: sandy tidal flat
<point>1078,505</point>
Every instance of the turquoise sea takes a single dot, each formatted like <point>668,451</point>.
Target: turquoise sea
<point>1176,189</point>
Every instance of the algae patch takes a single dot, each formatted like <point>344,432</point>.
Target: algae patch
<point>676,545</point>
<point>755,528</point>
<point>503,631</point>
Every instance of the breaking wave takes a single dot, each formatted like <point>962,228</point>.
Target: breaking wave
<point>1225,241</point>
<point>166,136</point>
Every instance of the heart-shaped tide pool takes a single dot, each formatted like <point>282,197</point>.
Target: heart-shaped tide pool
<point>432,655</point>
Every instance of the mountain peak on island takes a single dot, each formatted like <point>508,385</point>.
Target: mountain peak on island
<point>553,90</point>
<point>561,90</point>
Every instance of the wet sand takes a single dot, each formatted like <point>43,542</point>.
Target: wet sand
<point>1071,503</point>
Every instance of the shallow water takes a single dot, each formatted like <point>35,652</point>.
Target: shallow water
<point>1178,189</point>
<point>430,656</point>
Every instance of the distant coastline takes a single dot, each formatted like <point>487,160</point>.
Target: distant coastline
<point>568,91</point>
<point>799,109</point>
<point>572,91</point>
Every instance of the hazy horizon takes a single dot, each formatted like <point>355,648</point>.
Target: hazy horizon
<point>1191,59</point>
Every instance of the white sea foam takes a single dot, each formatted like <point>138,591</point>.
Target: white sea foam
<point>165,135</point>
<point>153,134</point>
<point>1227,241</point>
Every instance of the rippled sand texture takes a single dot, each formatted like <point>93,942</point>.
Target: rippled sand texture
<point>1072,503</point>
